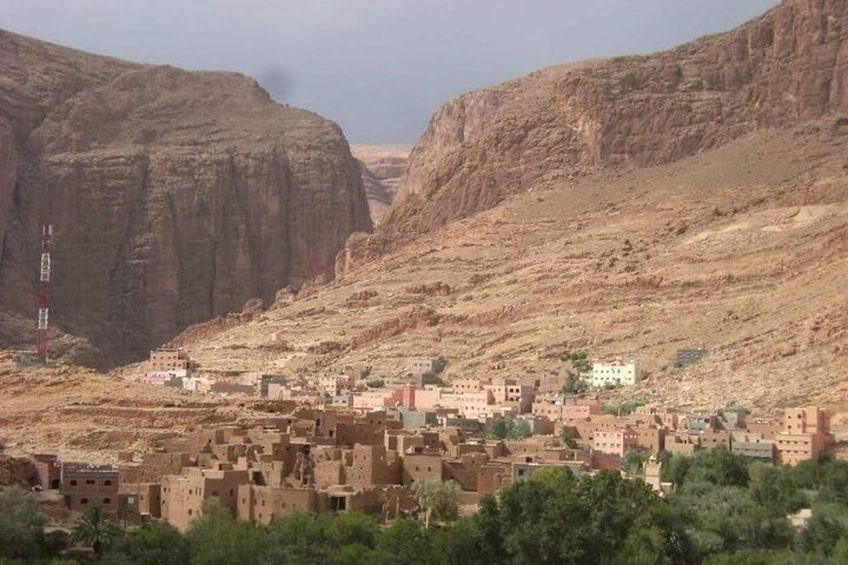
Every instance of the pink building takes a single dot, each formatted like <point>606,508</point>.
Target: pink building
<point>408,395</point>
<point>333,385</point>
<point>581,409</point>
<point>472,405</point>
<point>617,442</point>
<point>428,398</point>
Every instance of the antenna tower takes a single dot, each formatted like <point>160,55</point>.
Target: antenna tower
<point>44,292</point>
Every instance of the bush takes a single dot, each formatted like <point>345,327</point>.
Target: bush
<point>21,526</point>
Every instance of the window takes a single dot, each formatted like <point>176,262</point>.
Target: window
<point>83,501</point>
<point>108,482</point>
<point>73,482</point>
<point>90,482</point>
<point>107,500</point>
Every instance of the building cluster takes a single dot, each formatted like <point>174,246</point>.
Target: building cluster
<point>309,460</point>
<point>472,399</point>
<point>336,444</point>
<point>332,459</point>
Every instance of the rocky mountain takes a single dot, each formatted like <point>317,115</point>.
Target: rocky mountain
<point>696,198</point>
<point>175,196</point>
<point>741,250</point>
<point>382,167</point>
<point>787,66</point>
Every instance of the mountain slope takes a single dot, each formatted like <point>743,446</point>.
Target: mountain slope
<point>741,250</point>
<point>787,66</point>
<point>175,196</point>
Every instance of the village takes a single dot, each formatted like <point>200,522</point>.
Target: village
<point>332,444</point>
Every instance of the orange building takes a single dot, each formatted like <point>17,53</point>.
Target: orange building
<point>805,436</point>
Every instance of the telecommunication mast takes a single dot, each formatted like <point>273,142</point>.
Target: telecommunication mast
<point>44,291</point>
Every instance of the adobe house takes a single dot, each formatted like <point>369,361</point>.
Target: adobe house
<point>84,486</point>
<point>753,446</point>
<point>373,465</point>
<point>183,495</point>
<point>169,360</point>
<point>805,436</point>
<point>48,470</point>
<point>260,505</point>
<point>153,466</point>
<point>139,502</point>
<point>493,476</point>
<point>421,466</point>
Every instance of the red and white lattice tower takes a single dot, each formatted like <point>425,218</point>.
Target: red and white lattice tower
<point>44,293</point>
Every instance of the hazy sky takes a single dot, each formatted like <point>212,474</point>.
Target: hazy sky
<point>377,67</point>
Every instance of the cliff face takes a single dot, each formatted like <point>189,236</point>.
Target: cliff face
<point>175,196</point>
<point>789,65</point>
<point>381,168</point>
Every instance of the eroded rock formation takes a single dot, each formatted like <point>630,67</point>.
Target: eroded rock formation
<point>175,196</point>
<point>789,65</point>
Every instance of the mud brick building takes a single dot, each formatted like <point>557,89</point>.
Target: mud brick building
<point>84,486</point>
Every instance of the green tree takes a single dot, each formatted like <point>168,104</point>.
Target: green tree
<point>634,461</point>
<point>21,525</point>
<point>499,428</point>
<point>834,482</point>
<point>94,529</point>
<point>346,538</point>
<point>440,499</point>
<point>405,542</point>
<point>520,429</point>
<point>218,538</point>
<point>459,544</point>
<point>775,489</point>
<point>157,543</point>
<point>569,437</point>
<point>575,385</point>
<point>719,467</point>
<point>826,533</point>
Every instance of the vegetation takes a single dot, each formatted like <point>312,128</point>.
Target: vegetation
<point>376,383</point>
<point>725,510</point>
<point>578,359</point>
<point>508,428</point>
<point>94,530</point>
<point>439,499</point>
<point>575,385</point>
<point>21,526</point>
<point>623,409</point>
<point>569,437</point>
<point>431,379</point>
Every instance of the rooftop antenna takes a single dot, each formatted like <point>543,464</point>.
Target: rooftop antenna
<point>44,292</point>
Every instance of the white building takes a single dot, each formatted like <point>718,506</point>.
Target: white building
<point>615,373</point>
<point>419,367</point>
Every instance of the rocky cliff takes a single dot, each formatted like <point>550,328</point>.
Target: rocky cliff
<point>381,167</point>
<point>175,196</point>
<point>791,64</point>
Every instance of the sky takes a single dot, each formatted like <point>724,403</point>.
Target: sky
<point>379,68</point>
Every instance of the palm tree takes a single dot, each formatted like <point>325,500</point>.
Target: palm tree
<point>92,528</point>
